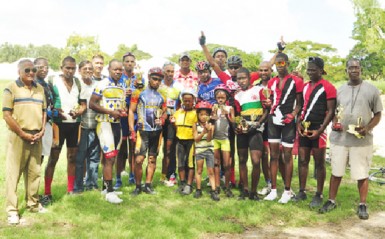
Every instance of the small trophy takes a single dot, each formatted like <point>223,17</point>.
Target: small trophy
<point>353,128</point>
<point>222,108</point>
<point>215,111</point>
<point>339,115</point>
<point>74,110</point>
<point>306,125</point>
<point>139,77</point>
<point>243,125</point>
<point>158,113</point>
<point>253,118</point>
<point>266,93</point>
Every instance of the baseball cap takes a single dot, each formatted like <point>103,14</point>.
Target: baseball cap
<point>318,62</point>
<point>184,54</point>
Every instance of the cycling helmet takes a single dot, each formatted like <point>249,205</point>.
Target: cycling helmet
<point>219,49</point>
<point>202,65</point>
<point>155,71</point>
<point>234,60</point>
<point>224,88</point>
<point>188,91</point>
<point>203,105</point>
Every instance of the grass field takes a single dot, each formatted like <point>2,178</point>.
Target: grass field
<point>167,214</point>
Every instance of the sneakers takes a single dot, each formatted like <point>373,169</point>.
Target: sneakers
<point>149,190</point>
<point>253,196</point>
<point>198,193</point>
<point>45,200</point>
<point>362,213</point>
<point>187,190</point>
<point>118,184</point>
<point>113,198</point>
<point>214,196</point>
<point>243,195</point>
<point>229,193</point>
<point>131,179</point>
<point>13,219</point>
<point>172,181</point>
<point>104,192</point>
<point>266,190</point>
<point>272,195</point>
<point>316,201</point>
<point>136,192</point>
<point>286,197</point>
<point>328,206</point>
<point>301,196</point>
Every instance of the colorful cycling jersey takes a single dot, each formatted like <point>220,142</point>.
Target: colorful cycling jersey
<point>315,100</point>
<point>171,94</point>
<point>148,102</point>
<point>113,96</point>
<point>184,120</point>
<point>206,90</point>
<point>250,101</point>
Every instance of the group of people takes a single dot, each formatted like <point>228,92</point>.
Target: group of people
<point>199,117</point>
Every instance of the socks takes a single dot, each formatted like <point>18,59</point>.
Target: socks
<point>108,185</point>
<point>70,183</point>
<point>47,185</point>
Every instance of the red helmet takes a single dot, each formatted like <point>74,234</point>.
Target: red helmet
<point>202,65</point>
<point>155,71</point>
<point>203,105</point>
<point>224,88</point>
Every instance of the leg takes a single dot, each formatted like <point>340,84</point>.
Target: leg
<point>265,162</point>
<point>198,174</point>
<point>150,168</point>
<point>226,166</point>
<point>255,157</point>
<point>319,159</point>
<point>217,163</point>
<point>303,166</point>
<point>243,157</point>
<point>71,167</point>
<point>138,169</point>
<point>50,169</point>
<point>274,157</point>
<point>288,159</point>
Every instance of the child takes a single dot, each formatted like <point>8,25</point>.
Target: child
<point>224,115</point>
<point>203,133</point>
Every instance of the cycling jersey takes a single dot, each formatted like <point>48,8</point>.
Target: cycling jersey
<point>171,94</point>
<point>206,90</point>
<point>184,120</point>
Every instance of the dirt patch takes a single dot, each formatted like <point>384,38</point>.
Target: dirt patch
<point>353,228</point>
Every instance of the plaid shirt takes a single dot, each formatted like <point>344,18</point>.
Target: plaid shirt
<point>189,81</point>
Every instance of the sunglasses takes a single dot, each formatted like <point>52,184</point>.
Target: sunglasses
<point>28,70</point>
<point>280,63</point>
<point>70,68</point>
<point>42,67</point>
<point>233,67</point>
<point>156,78</point>
<point>88,68</point>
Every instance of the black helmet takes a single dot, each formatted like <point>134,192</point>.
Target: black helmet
<point>234,60</point>
<point>219,49</point>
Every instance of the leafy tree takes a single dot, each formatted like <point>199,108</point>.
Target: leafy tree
<point>139,54</point>
<point>250,60</point>
<point>12,53</point>
<point>81,47</point>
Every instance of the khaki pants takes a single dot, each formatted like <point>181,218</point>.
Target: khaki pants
<point>22,157</point>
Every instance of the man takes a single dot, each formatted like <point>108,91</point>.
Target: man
<point>319,102</point>
<point>170,90</point>
<point>24,113</point>
<point>207,84</point>
<point>66,91</point>
<point>151,109</point>
<point>89,147</point>
<point>41,65</point>
<point>220,57</point>
<point>98,65</point>
<point>109,101</point>
<point>249,136</point>
<point>359,111</point>
<point>185,76</point>
<point>287,90</point>
<point>127,147</point>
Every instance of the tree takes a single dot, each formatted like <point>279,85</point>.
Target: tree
<point>12,53</point>
<point>139,54</point>
<point>81,47</point>
<point>250,60</point>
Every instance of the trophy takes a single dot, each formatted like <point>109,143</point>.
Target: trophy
<point>170,112</point>
<point>222,108</point>
<point>266,93</point>
<point>253,118</point>
<point>243,124</point>
<point>339,112</point>
<point>215,111</point>
<point>74,110</point>
<point>306,125</point>
<point>353,128</point>
<point>139,77</point>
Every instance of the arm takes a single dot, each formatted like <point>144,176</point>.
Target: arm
<point>131,119</point>
<point>231,115</point>
<point>210,59</point>
<point>373,122</point>
<point>94,105</point>
<point>210,132</point>
<point>14,126</point>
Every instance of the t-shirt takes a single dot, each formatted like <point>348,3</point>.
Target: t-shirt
<point>88,117</point>
<point>189,81</point>
<point>113,97</point>
<point>203,144</point>
<point>222,125</point>
<point>315,101</point>
<point>362,100</point>
<point>184,120</point>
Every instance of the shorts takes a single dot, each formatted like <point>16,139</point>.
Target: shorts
<point>359,159</point>
<point>252,140</point>
<point>319,143</point>
<point>47,140</point>
<point>185,153</point>
<point>148,141</point>
<point>222,144</point>
<point>284,134</point>
<point>208,155</point>
<point>109,135</point>
<point>70,133</point>
<point>169,131</point>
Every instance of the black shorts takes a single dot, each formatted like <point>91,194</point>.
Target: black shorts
<point>68,132</point>
<point>169,131</point>
<point>284,134</point>
<point>265,134</point>
<point>148,140</point>
<point>185,153</point>
<point>252,140</point>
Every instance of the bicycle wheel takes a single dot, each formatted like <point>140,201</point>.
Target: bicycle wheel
<point>378,177</point>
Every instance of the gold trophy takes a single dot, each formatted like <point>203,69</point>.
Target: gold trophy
<point>266,93</point>
<point>339,114</point>
<point>243,124</point>
<point>353,128</point>
<point>139,77</point>
<point>306,125</point>
<point>253,118</point>
<point>74,110</point>
<point>158,113</point>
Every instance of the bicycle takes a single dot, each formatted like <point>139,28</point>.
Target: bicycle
<point>378,176</point>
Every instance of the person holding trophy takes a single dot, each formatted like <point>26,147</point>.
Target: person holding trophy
<point>151,107</point>
<point>319,103</point>
<point>359,111</point>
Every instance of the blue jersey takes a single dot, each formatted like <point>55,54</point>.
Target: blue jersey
<point>206,91</point>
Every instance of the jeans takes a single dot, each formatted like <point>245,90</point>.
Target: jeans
<point>89,153</point>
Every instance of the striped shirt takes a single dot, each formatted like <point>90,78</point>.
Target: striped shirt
<point>203,145</point>
<point>88,117</point>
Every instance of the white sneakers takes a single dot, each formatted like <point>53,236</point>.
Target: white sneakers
<point>266,190</point>
<point>271,196</point>
<point>286,197</point>
<point>113,198</point>
<point>13,219</point>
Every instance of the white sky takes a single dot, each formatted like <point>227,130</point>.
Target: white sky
<point>164,27</point>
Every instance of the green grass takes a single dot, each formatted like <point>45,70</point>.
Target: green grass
<point>167,214</point>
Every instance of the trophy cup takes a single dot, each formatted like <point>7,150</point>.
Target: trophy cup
<point>74,110</point>
<point>215,111</point>
<point>353,128</point>
<point>139,77</point>
<point>306,125</point>
<point>266,93</point>
<point>171,112</point>
<point>243,124</point>
<point>222,107</point>
<point>338,126</point>
<point>253,118</point>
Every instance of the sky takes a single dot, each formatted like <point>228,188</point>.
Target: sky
<point>166,27</point>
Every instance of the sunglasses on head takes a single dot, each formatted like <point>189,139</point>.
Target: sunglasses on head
<point>233,67</point>
<point>280,63</point>
<point>28,70</point>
